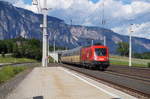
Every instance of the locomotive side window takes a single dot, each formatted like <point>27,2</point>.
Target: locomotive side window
<point>100,51</point>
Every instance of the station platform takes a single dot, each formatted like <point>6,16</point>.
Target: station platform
<point>62,83</point>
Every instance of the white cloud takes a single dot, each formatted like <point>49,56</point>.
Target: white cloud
<point>118,15</point>
<point>20,3</point>
<point>59,4</point>
<point>139,30</point>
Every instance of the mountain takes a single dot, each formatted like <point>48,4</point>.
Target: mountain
<point>16,22</point>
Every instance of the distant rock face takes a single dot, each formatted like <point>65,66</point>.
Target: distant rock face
<point>16,22</point>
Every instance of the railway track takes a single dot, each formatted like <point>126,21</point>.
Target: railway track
<point>133,71</point>
<point>16,64</point>
<point>130,76</point>
<point>134,85</point>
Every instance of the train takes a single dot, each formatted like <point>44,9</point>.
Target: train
<point>94,57</point>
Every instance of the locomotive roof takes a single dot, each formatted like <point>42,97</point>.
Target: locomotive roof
<point>93,45</point>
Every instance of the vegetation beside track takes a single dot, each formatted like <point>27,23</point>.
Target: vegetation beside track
<point>8,72</point>
<point>23,48</point>
<point>15,60</point>
<point>124,61</point>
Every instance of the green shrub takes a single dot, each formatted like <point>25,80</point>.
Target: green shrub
<point>18,69</point>
<point>3,77</point>
<point>3,54</point>
<point>8,72</point>
<point>148,65</point>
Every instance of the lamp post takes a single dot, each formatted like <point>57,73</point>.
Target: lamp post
<point>130,45</point>
<point>104,40</point>
<point>54,47</point>
<point>92,43</point>
<point>48,49</point>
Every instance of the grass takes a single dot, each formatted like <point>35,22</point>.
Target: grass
<point>15,60</point>
<point>119,60</point>
<point>8,72</point>
<point>51,60</point>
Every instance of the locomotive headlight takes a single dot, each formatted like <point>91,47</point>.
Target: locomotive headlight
<point>95,57</point>
<point>101,59</point>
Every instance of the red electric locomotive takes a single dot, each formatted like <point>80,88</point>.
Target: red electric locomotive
<point>96,56</point>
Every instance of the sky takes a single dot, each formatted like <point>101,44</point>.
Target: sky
<point>118,14</point>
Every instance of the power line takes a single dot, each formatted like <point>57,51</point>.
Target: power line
<point>103,22</point>
<point>37,4</point>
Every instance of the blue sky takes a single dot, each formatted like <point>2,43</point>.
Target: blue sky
<point>28,1</point>
<point>95,1</point>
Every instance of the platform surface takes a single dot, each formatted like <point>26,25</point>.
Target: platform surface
<point>60,83</point>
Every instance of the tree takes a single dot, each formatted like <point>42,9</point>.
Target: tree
<point>9,45</point>
<point>21,47</point>
<point>3,47</point>
<point>29,48</point>
<point>123,48</point>
<point>33,49</point>
<point>145,55</point>
<point>16,50</point>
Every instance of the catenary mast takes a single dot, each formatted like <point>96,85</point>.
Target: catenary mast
<point>103,22</point>
<point>45,35</point>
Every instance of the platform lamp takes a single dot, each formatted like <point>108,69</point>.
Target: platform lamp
<point>92,43</point>
<point>130,45</point>
<point>104,40</point>
<point>54,47</point>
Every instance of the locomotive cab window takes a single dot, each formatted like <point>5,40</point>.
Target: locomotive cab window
<point>100,51</point>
